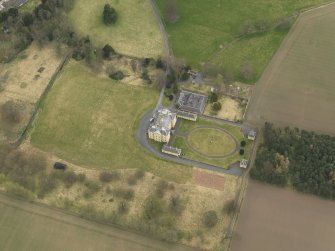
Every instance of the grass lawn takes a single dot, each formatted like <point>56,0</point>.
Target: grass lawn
<point>92,121</point>
<point>213,23</point>
<point>30,5</point>
<point>136,32</point>
<point>203,144</point>
<point>211,142</point>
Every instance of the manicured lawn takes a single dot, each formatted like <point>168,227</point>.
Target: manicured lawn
<point>91,121</point>
<point>204,26</point>
<point>136,32</point>
<point>211,142</point>
<point>202,142</point>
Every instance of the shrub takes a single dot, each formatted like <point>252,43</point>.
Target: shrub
<point>243,143</point>
<point>91,188</point>
<point>145,75</point>
<point>69,178</point>
<point>47,183</point>
<point>213,97</point>
<point>118,75</point>
<point>109,15</point>
<point>106,177</point>
<point>107,51</point>
<point>132,180</point>
<point>160,64</point>
<point>127,194</point>
<point>229,207</point>
<point>11,112</point>
<point>241,152</point>
<point>81,177</point>
<point>139,174</point>
<point>161,187</point>
<point>19,191</point>
<point>28,19</point>
<point>216,106</point>
<point>123,207</point>
<point>210,219</point>
<point>176,205</point>
<point>153,208</point>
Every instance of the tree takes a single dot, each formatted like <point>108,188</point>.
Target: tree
<point>262,26</point>
<point>243,143</point>
<point>159,79</point>
<point>118,75</point>
<point>109,15</point>
<point>229,207</point>
<point>13,12</point>
<point>241,151</point>
<point>210,219</point>
<point>28,19</point>
<point>107,51</point>
<point>216,106</point>
<point>11,112</point>
<point>171,11</point>
<point>105,177</point>
<point>284,23</point>
<point>153,208</point>
<point>213,97</point>
<point>247,71</point>
<point>176,205</point>
<point>247,28</point>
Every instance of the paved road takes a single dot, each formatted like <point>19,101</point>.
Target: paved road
<point>142,139</point>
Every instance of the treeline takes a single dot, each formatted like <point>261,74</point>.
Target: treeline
<point>305,160</point>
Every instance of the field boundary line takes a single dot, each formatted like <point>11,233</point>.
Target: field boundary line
<point>15,199</point>
<point>41,100</point>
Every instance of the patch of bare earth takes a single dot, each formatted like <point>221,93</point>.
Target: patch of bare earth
<point>209,180</point>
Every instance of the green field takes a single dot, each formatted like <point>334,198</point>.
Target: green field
<point>28,226</point>
<point>204,26</point>
<point>92,121</point>
<point>136,32</point>
<point>198,144</point>
<point>211,142</point>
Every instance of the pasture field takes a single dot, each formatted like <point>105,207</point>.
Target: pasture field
<point>28,226</point>
<point>297,88</point>
<point>23,81</point>
<point>91,121</point>
<point>211,142</point>
<point>136,32</point>
<point>276,219</point>
<point>204,28</point>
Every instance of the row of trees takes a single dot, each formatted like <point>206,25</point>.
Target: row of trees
<point>291,156</point>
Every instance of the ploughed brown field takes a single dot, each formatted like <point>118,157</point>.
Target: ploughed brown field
<point>298,87</point>
<point>277,219</point>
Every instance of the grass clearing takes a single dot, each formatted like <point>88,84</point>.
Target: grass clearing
<point>91,121</point>
<point>297,88</point>
<point>211,142</point>
<point>136,32</point>
<point>212,24</point>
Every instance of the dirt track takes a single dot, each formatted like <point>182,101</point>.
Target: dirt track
<point>297,89</point>
<point>276,219</point>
